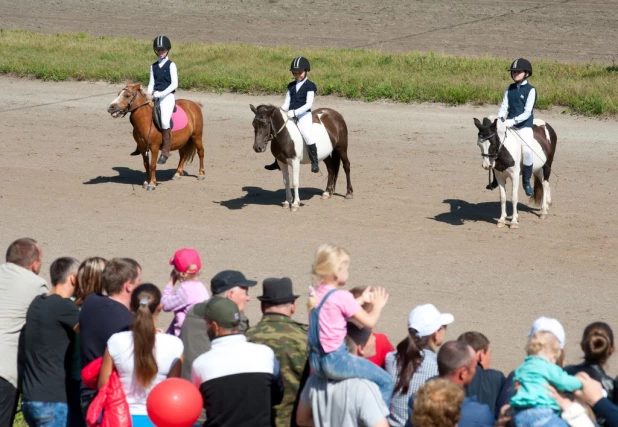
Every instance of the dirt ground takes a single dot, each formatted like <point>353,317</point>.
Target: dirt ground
<point>420,224</point>
<point>568,30</point>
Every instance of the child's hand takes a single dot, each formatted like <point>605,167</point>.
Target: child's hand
<point>505,416</point>
<point>380,297</point>
<point>173,277</point>
<point>367,296</point>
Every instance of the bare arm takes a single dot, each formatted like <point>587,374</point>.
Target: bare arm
<point>381,423</point>
<point>176,370</point>
<point>304,416</point>
<point>106,369</point>
<point>369,320</point>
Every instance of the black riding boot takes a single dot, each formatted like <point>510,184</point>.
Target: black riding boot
<point>136,152</point>
<point>493,184</point>
<point>165,147</point>
<point>313,155</point>
<point>525,180</point>
<point>273,167</point>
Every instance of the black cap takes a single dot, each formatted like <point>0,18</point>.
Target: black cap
<point>277,291</point>
<point>221,310</point>
<point>228,279</point>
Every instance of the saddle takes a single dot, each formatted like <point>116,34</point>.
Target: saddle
<point>156,116</point>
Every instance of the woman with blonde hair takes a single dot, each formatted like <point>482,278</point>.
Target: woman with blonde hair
<point>89,279</point>
<point>143,357</point>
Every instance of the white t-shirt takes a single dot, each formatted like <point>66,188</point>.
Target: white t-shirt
<point>167,351</point>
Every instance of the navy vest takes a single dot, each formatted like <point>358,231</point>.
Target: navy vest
<point>298,99</point>
<point>518,95</point>
<point>162,76</point>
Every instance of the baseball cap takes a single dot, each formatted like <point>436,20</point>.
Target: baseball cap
<point>426,319</point>
<point>548,324</point>
<point>221,310</point>
<point>228,279</point>
<point>186,260</point>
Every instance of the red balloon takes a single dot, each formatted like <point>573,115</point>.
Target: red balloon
<point>174,402</point>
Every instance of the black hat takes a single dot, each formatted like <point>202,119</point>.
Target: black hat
<point>228,279</point>
<point>300,63</point>
<point>521,64</point>
<point>221,310</point>
<point>277,291</point>
<point>161,42</point>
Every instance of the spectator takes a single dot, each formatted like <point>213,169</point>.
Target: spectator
<point>88,281</point>
<point>598,346</point>
<point>187,265</point>
<point>438,404</point>
<point>487,383</point>
<point>102,316</point>
<point>225,284</point>
<point>383,344</point>
<point>592,393</point>
<point>531,402</point>
<point>457,363</point>
<point>48,338</point>
<point>415,360</point>
<point>346,403</point>
<point>19,285</point>
<point>239,381</point>
<point>287,338</point>
<point>142,356</point>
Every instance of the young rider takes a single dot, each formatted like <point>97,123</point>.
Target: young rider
<point>517,108</point>
<point>298,103</point>
<point>162,86</point>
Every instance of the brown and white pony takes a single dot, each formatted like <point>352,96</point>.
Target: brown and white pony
<point>502,152</point>
<point>331,137</point>
<point>188,140</point>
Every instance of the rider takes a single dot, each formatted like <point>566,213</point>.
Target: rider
<point>162,85</point>
<point>517,108</point>
<point>298,102</point>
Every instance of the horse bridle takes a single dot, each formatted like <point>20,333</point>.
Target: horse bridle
<point>271,134</point>
<point>495,154</point>
<point>128,109</point>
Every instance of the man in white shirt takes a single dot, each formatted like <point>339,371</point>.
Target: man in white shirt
<point>348,403</point>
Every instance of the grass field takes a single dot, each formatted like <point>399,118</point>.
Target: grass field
<point>588,89</point>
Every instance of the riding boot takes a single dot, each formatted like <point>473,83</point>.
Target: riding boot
<point>313,155</point>
<point>165,147</point>
<point>493,184</point>
<point>525,180</point>
<point>273,167</point>
<point>136,152</point>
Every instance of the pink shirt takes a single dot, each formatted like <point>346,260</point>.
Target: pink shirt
<point>335,312</point>
<point>179,301</point>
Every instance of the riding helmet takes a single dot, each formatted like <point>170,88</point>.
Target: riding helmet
<point>161,42</point>
<point>300,63</point>
<point>521,64</point>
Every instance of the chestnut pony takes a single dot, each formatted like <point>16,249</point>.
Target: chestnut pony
<point>133,99</point>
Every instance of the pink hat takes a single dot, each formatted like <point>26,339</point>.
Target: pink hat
<point>186,260</point>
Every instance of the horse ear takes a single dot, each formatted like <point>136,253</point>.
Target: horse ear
<point>494,124</point>
<point>478,123</point>
<point>253,109</point>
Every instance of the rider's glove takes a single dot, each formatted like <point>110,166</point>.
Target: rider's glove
<point>291,114</point>
<point>509,123</point>
<point>156,94</point>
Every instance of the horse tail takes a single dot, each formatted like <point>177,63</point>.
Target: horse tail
<point>191,149</point>
<point>537,199</point>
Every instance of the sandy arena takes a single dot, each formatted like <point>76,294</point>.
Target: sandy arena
<point>421,222</point>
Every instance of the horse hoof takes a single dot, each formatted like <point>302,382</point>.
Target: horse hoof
<point>176,177</point>
<point>500,224</point>
<point>294,208</point>
<point>201,177</point>
<point>349,196</point>
<point>285,205</point>
<point>325,195</point>
<point>543,216</point>
<point>150,188</point>
<point>514,226</point>
<point>145,184</point>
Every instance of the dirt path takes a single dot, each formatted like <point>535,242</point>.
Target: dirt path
<point>566,30</point>
<point>421,222</point>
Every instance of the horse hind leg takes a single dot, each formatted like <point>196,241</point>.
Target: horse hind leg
<point>343,153</point>
<point>546,200</point>
<point>332,166</point>
<point>181,163</point>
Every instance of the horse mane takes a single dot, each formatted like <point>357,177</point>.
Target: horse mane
<point>266,108</point>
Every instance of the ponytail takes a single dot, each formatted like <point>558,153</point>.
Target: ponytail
<point>145,301</point>
<point>408,358</point>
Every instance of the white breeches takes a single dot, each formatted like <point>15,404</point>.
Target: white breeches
<point>526,137</point>
<point>305,124</point>
<point>167,108</point>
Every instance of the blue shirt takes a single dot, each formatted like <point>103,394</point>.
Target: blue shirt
<point>473,414</point>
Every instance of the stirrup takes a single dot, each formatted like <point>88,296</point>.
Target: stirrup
<point>135,153</point>
<point>162,159</point>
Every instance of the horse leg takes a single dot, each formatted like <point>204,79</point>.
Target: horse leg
<point>330,186</point>
<point>200,153</point>
<point>147,168</point>
<point>182,152</point>
<point>502,185</point>
<point>346,167</point>
<point>546,200</point>
<point>152,181</point>
<point>295,180</point>
<point>515,199</point>
<point>286,182</point>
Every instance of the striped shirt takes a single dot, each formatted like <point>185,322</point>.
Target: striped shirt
<point>399,404</point>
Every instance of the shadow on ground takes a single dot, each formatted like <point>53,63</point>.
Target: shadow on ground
<point>461,211</point>
<point>133,176</point>
<point>259,196</point>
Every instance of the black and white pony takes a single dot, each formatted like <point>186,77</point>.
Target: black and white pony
<point>502,152</point>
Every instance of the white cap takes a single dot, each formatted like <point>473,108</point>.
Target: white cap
<point>426,319</point>
<point>548,324</point>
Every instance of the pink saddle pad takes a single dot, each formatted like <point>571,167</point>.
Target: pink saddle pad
<point>180,119</point>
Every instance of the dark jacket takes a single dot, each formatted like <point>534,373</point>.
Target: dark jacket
<point>596,372</point>
<point>486,386</point>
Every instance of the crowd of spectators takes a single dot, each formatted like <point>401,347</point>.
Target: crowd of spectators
<point>87,350</point>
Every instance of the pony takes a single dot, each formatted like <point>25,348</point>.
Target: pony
<point>331,137</point>
<point>187,139</point>
<point>501,151</point>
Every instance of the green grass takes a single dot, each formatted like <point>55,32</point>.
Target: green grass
<point>588,89</point>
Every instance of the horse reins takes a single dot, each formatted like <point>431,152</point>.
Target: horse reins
<point>128,109</point>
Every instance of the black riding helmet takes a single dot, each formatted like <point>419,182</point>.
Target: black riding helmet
<point>300,63</point>
<point>521,64</point>
<point>161,42</point>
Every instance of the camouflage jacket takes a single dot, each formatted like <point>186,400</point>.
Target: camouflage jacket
<point>288,339</point>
